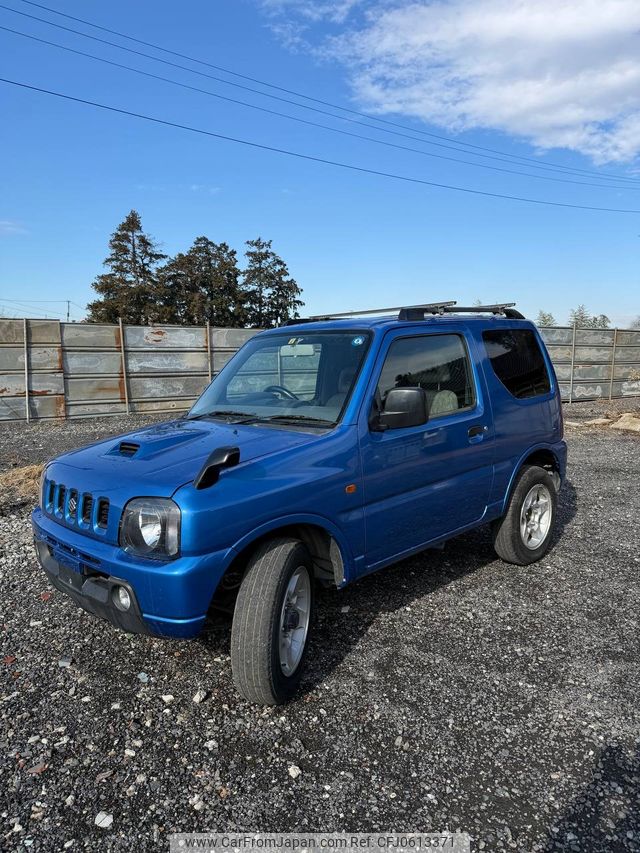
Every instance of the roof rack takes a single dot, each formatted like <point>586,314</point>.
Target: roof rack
<point>418,312</point>
<point>370,311</point>
<point>345,315</point>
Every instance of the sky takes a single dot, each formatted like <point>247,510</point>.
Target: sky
<point>548,88</point>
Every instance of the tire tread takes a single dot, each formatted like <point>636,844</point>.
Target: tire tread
<point>506,530</point>
<point>256,610</point>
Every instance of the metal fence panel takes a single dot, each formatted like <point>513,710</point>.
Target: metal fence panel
<point>156,337</point>
<point>85,370</point>
<point>593,337</point>
<point>556,335</point>
<point>167,362</point>
<point>626,337</point>
<point>628,355</point>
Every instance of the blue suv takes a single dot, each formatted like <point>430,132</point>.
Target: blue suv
<point>323,451</point>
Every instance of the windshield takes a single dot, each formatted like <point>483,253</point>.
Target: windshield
<point>298,379</point>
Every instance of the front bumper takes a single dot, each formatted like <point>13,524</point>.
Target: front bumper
<point>93,592</point>
<point>167,599</point>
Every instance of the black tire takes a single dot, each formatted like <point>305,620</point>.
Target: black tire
<point>255,633</point>
<point>507,538</point>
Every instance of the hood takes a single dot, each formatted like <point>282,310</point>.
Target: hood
<point>161,458</point>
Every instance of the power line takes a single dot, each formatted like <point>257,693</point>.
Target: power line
<point>548,167</point>
<point>32,305</point>
<point>311,123</point>
<point>293,92</point>
<point>311,158</point>
<point>39,301</point>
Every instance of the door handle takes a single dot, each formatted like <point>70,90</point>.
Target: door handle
<point>477,433</point>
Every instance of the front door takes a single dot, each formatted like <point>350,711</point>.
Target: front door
<point>424,482</point>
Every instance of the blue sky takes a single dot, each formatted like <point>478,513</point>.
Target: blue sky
<point>69,173</point>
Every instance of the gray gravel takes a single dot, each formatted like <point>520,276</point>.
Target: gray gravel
<point>590,409</point>
<point>451,691</point>
<point>43,439</point>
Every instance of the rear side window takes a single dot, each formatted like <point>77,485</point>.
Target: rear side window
<point>436,363</point>
<point>517,361</point>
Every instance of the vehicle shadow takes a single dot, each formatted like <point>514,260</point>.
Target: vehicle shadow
<point>386,591</point>
<point>604,817</point>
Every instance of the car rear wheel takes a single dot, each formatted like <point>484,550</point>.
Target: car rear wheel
<point>523,534</point>
<point>271,622</point>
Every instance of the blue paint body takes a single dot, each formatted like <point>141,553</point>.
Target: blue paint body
<point>415,487</point>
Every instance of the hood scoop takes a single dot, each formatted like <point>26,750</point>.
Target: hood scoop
<point>128,448</point>
<point>150,443</point>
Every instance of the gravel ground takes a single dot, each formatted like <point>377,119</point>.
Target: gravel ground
<point>600,408</point>
<point>450,691</point>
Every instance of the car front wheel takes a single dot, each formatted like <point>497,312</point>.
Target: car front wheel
<point>271,622</point>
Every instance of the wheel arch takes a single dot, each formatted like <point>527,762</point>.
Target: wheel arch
<point>544,457</point>
<point>329,551</point>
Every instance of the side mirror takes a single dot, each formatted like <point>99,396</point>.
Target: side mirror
<point>403,407</point>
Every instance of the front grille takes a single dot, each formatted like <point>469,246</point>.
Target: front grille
<point>73,507</point>
<point>103,512</point>
<point>60,500</point>
<point>87,507</point>
<point>49,489</point>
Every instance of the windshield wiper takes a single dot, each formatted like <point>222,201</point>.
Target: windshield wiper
<point>245,418</point>
<point>295,418</point>
<point>224,413</point>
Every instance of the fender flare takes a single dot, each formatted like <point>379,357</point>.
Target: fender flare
<point>518,467</point>
<point>275,524</point>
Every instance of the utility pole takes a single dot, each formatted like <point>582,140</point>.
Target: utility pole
<point>68,309</point>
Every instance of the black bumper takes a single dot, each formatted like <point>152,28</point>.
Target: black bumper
<point>92,591</point>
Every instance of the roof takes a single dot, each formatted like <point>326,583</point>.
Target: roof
<point>431,314</point>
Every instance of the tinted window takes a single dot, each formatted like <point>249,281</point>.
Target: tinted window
<point>437,363</point>
<point>517,361</point>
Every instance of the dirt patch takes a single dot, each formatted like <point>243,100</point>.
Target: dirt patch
<point>21,483</point>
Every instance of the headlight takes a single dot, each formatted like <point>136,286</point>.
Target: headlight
<point>151,528</point>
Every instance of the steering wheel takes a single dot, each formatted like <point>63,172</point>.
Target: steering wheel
<point>280,389</point>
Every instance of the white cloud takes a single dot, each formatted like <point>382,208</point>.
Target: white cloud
<point>8,228</point>
<point>204,188</point>
<point>558,73</point>
<point>335,11</point>
<point>292,20</point>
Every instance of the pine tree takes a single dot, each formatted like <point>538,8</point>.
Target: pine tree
<point>580,317</point>
<point>128,289</point>
<point>272,295</point>
<point>545,318</point>
<point>171,302</point>
<point>201,285</point>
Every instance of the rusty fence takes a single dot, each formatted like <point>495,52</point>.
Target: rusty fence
<point>50,369</point>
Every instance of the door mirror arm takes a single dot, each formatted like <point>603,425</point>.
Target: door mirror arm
<point>375,419</point>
